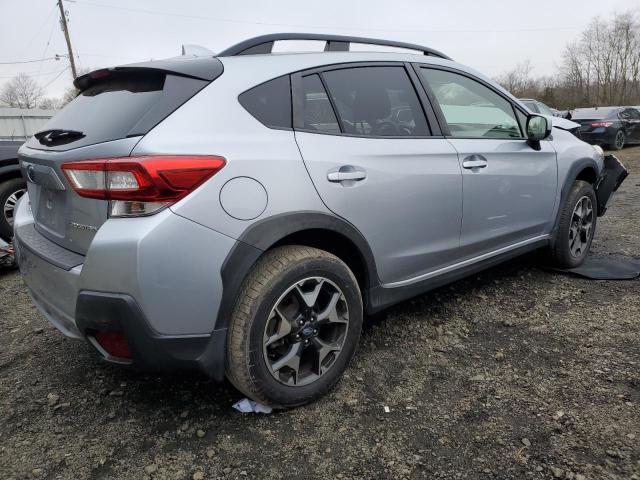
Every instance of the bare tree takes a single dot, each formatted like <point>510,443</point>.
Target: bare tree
<point>50,103</point>
<point>602,67</point>
<point>21,91</point>
<point>519,80</point>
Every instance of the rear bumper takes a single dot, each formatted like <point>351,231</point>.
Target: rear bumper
<point>112,312</point>
<point>605,137</point>
<point>53,289</point>
<point>133,281</point>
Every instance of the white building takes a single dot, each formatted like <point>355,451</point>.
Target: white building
<point>20,124</point>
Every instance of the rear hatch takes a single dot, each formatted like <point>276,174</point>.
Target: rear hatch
<point>591,119</point>
<point>114,109</point>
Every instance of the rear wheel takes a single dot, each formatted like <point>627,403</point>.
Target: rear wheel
<point>577,225</point>
<point>10,192</point>
<point>295,327</point>
<point>618,141</point>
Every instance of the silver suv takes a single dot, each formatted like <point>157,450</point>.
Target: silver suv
<point>239,213</point>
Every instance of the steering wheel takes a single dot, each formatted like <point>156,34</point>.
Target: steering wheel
<point>387,128</point>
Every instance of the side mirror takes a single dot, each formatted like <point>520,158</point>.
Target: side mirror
<point>538,128</point>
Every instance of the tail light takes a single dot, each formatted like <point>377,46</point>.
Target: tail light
<point>601,124</point>
<point>140,185</point>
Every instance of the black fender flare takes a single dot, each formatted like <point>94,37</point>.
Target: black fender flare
<point>263,234</point>
<point>569,179</point>
<point>253,242</point>
<point>10,169</point>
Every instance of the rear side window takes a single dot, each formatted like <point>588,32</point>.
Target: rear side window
<point>123,104</point>
<point>376,101</point>
<point>471,109</point>
<point>318,114</point>
<point>270,102</point>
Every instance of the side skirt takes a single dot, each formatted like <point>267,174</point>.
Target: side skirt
<point>383,296</point>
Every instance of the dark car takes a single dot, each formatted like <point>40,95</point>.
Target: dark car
<point>12,186</point>
<point>611,127</point>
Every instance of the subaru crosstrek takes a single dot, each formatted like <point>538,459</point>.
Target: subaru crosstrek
<point>240,213</point>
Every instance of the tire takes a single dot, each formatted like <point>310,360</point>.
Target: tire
<point>619,141</point>
<point>9,190</point>
<point>252,365</point>
<point>565,252</point>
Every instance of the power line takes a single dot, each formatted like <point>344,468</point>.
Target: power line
<point>35,74</point>
<point>56,77</point>
<point>28,61</point>
<point>347,27</point>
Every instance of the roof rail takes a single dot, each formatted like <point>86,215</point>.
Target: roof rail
<point>334,43</point>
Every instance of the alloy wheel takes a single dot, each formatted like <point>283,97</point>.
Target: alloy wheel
<point>581,227</point>
<point>619,139</point>
<point>305,332</point>
<point>9,207</point>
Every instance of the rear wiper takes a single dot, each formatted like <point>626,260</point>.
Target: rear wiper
<point>58,136</point>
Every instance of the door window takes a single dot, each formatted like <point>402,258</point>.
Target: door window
<point>318,113</point>
<point>471,109</point>
<point>376,101</point>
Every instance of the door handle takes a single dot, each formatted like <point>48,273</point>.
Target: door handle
<point>474,161</point>
<point>346,173</point>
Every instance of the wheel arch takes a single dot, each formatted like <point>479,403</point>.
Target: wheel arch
<point>313,229</point>
<point>585,169</point>
<point>10,171</point>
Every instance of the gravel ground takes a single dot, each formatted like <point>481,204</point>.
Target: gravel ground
<point>516,373</point>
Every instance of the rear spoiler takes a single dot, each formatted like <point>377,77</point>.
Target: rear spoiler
<point>202,68</point>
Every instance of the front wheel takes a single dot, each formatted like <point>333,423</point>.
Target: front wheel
<point>295,327</point>
<point>576,226</point>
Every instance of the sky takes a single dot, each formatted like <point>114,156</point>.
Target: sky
<point>492,36</point>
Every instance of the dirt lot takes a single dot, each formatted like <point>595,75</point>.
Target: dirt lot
<point>515,373</point>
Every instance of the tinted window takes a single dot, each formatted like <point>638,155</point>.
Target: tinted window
<point>630,114</point>
<point>318,112</point>
<point>122,104</point>
<point>376,101</point>
<point>543,109</point>
<point>270,102</point>
<point>531,105</point>
<point>471,109</point>
<point>593,113</point>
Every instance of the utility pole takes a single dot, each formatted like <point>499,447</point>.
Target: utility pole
<point>65,29</point>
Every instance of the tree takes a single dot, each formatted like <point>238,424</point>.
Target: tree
<point>601,67</point>
<point>50,103</point>
<point>21,91</point>
<point>518,81</point>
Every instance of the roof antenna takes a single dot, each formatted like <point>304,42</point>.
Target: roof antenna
<point>197,51</point>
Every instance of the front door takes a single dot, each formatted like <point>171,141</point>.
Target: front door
<point>509,186</point>
<point>370,153</point>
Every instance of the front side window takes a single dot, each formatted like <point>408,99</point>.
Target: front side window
<point>471,109</point>
<point>376,101</point>
<point>630,114</point>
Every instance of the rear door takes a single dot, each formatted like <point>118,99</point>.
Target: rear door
<point>105,120</point>
<point>509,188</point>
<point>374,160</point>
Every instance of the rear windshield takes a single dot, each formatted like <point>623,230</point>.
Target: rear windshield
<point>124,105</point>
<point>591,113</point>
